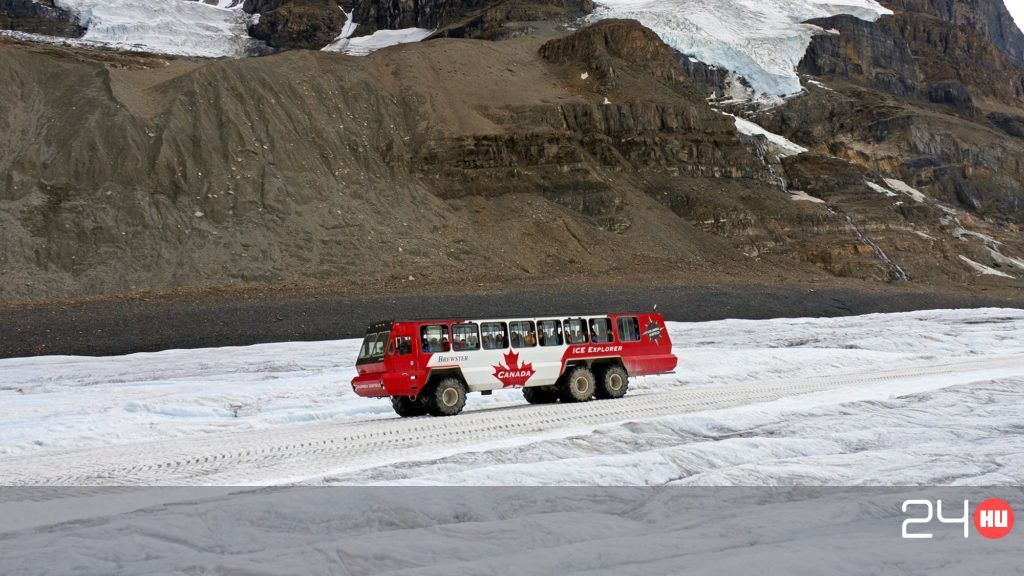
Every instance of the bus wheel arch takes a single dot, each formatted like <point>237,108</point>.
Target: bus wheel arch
<point>612,381</point>
<point>577,384</point>
<point>410,406</point>
<point>445,394</point>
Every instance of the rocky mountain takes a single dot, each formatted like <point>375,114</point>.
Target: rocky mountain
<point>39,17</point>
<point>987,18</point>
<point>508,150</point>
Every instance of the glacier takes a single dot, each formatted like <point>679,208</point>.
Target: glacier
<point>759,40</point>
<point>55,403</point>
<point>176,27</point>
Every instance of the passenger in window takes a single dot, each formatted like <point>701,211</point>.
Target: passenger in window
<point>530,340</point>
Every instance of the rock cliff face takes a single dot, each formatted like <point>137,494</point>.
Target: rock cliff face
<point>315,23</point>
<point>956,53</point>
<point>883,115</point>
<point>865,53</point>
<point>38,17</point>
<point>987,18</point>
<point>309,24</point>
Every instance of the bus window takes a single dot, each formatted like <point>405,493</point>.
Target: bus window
<point>549,332</point>
<point>600,330</point>
<point>373,347</point>
<point>493,335</point>
<point>404,345</point>
<point>629,329</point>
<point>434,339</point>
<point>522,334</point>
<point>575,331</point>
<point>465,337</point>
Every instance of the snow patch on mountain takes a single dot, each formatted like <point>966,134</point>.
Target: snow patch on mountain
<point>1016,8</point>
<point>761,40</point>
<point>982,269</point>
<point>178,27</point>
<point>782,145</point>
<point>363,45</point>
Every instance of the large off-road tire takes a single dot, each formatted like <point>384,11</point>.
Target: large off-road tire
<point>612,382</point>
<point>541,394</point>
<point>577,385</point>
<point>408,406</point>
<point>447,397</point>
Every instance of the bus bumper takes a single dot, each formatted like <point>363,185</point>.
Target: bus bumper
<point>382,384</point>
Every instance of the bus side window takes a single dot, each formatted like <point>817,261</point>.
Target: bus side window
<point>522,334</point>
<point>575,331</point>
<point>465,337</point>
<point>629,329</point>
<point>434,338</point>
<point>494,335</point>
<point>403,345</point>
<point>549,332</point>
<point>600,330</point>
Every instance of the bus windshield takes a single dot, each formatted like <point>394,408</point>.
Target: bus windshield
<point>373,347</point>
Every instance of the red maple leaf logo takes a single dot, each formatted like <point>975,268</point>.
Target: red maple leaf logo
<point>512,373</point>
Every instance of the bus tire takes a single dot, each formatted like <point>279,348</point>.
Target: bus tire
<point>612,382</point>
<point>447,398</point>
<point>577,385</point>
<point>409,406</point>
<point>541,394</point>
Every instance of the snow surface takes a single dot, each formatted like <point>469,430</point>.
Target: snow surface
<point>1006,260</point>
<point>510,531</point>
<point>1016,8</point>
<point>179,27</point>
<point>901,186</point>
<point>962,233</point>
<point>363,45</point>
<point>907,432</point>
<point>982,269</point>
<point>761,40</point>
<point>880,189</point>
<point>801,196</point>
<point>783,146</point>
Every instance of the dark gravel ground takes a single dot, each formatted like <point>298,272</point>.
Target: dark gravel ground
<point>106,327</point>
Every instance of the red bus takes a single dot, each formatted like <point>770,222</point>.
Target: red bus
<point>428,366</point>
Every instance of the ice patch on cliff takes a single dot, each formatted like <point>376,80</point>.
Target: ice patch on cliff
<point>363,45</point>
<point>761,40</point>
<point>178,27</point>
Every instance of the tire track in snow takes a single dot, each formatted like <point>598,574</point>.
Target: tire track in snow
<point>309,451</point>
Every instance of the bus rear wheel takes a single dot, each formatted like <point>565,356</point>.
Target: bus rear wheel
<point>613,382</point>
<point>577,386</point>
<point>409,406</point>
<point>541,394</point>
<point>447,398</point>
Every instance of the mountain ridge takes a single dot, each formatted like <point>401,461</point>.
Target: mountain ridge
<point>590,153</point>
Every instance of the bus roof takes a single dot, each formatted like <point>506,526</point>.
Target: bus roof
<point>378,326</point>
